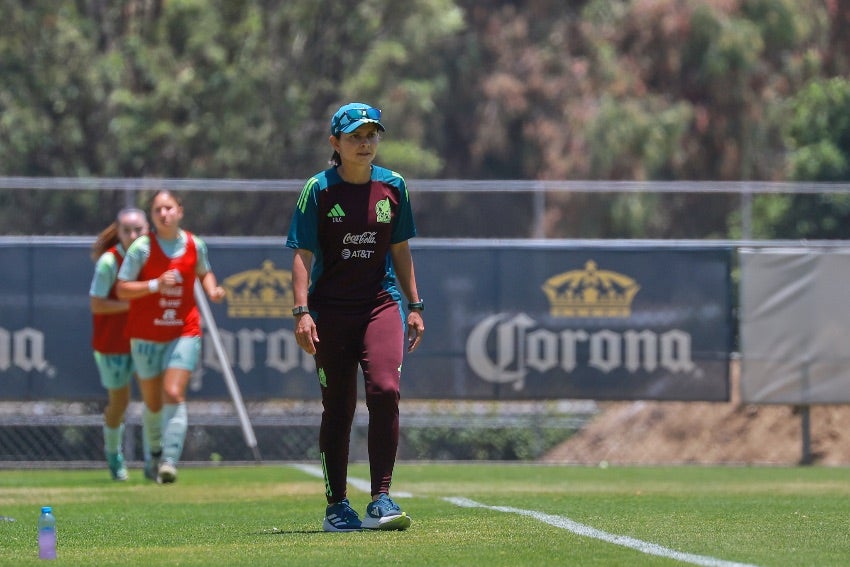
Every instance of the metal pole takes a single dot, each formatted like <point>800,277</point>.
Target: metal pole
<point>746,214</point>
<point>805,426</point>
<point>229,378</point>
<point>805,419</point>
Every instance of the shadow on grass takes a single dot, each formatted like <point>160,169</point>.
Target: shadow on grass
<point>276,531</point>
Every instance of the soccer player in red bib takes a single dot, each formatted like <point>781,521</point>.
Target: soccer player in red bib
<point>158,277</point>
<point>110,343</point>
<point>349,232</point>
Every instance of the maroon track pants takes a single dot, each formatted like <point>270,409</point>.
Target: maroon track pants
<point>372,339</point>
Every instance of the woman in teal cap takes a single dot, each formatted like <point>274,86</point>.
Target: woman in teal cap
<point>349,232</point>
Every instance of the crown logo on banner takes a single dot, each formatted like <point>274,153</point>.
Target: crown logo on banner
<point>266,292</point>
<point>590,293</point>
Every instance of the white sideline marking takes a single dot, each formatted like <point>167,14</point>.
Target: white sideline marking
<point>359,484</point>
<point>558,522</point>
<point>587,531</point>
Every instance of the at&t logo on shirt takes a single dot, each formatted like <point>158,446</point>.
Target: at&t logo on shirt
<point>347,253</point>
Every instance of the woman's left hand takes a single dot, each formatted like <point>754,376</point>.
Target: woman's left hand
<point>217,294</point>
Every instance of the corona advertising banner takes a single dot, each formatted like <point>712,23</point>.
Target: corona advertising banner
<point>522,320</point>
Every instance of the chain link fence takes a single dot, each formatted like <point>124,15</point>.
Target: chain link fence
<point>57,433</point>
<point>49,434</point>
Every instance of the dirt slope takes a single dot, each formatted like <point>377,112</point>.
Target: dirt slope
<point>707,433</point>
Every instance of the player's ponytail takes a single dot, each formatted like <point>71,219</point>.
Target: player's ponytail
<point>107,238</point>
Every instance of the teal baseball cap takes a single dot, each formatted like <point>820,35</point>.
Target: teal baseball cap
<point>352,116</point>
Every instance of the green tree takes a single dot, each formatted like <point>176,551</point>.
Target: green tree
<point>819,142</point>
<point>474,89</point>
<point>191,88</point>
<point>195,88</point>
<point>819,131</point>
<point>608,89</point>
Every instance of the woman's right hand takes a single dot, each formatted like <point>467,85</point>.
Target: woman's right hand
<point>171,278</point>
<point>305,333</point>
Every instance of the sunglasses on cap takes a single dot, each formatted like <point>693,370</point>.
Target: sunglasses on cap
<point>352,115</point>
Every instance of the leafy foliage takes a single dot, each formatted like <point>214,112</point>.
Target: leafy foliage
<point>495,89</point>
<point>819,130</point>
<point>510,443</point>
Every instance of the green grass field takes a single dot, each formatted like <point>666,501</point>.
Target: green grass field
<point>530,515</point>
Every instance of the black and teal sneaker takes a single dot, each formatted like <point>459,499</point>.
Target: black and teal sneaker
<point>341,517</point>
<point>384,514</point>
<point>116,466</point>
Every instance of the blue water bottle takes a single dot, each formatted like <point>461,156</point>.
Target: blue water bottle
<point>47,534</point>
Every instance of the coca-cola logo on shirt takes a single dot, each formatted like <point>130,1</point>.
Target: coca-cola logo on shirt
<point>362,238</point>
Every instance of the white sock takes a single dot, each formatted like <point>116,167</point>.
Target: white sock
<point>151,432</point>
<point>175,422</point>
<point>112,437</point>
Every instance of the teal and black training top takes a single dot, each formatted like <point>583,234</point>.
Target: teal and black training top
<point>349,229</point>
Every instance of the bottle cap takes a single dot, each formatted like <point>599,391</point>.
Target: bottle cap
<point>46,509</point>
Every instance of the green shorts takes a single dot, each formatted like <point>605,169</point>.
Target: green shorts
<point>151,358</point>
<point>116,370</point>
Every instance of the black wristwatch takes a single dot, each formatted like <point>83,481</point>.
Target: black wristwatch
<point>416,306</point>
<point>300,310</point>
